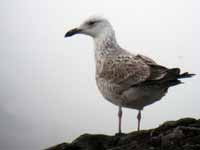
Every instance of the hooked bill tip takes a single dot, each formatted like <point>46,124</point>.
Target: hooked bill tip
<point>72,32</point>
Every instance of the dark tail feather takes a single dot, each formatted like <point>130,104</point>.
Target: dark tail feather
<point>176,73</point>
<point>186,75</point>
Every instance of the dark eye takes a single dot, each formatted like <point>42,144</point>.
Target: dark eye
<point>91,23</point>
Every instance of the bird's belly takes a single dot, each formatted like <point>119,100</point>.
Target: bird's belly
<point>139,97</point>
<point>134,97</point>
<point>110,91</point>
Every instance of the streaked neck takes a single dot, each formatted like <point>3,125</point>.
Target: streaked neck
<point>106,43</point>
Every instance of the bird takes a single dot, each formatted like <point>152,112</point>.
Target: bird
<point>125,79</point>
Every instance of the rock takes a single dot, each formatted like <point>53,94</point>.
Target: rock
<point>183,134</point>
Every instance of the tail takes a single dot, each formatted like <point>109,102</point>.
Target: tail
<point>186,75</point>
<point>173,76</point>
<point>175,72</point>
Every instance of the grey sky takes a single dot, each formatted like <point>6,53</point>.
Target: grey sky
<point>48,93</point>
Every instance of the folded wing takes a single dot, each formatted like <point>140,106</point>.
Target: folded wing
<point>127,70</point>
<point>124,70</point>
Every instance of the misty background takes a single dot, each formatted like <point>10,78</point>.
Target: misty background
<point>48,93</point>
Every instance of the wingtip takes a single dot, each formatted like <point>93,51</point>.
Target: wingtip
<point>191,74</point>
<point>186,75</point>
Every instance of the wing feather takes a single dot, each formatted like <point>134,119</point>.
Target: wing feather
<point>124,70</point>
<point>130,70</point>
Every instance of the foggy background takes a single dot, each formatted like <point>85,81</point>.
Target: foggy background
<point>48,93</point>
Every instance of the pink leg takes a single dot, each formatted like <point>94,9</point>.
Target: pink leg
<point>139,118</point>
<point>120,118</point>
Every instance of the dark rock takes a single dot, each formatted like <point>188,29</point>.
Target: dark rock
<point>183,134</point>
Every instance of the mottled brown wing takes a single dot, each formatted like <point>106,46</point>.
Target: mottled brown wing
<point>146,59</point>
<point>124,70</point>
<point>157,71</point>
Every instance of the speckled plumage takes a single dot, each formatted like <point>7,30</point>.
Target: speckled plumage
<point>125,79</point>
<point>120,75</point>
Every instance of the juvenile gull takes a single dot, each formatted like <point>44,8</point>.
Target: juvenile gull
<point>125,79</point>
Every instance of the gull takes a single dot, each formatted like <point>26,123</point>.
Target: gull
<point>125,79</point>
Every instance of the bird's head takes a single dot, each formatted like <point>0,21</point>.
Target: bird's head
<point>94,27</point>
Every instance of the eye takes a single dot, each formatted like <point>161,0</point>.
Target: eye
<point>91,23</point>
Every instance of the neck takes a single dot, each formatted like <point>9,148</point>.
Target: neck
<point>106,44</point>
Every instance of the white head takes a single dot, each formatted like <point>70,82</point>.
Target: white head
<point>94,27</point>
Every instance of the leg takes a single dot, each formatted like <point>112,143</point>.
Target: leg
<point>139,118</point>
<point>120,118</point>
